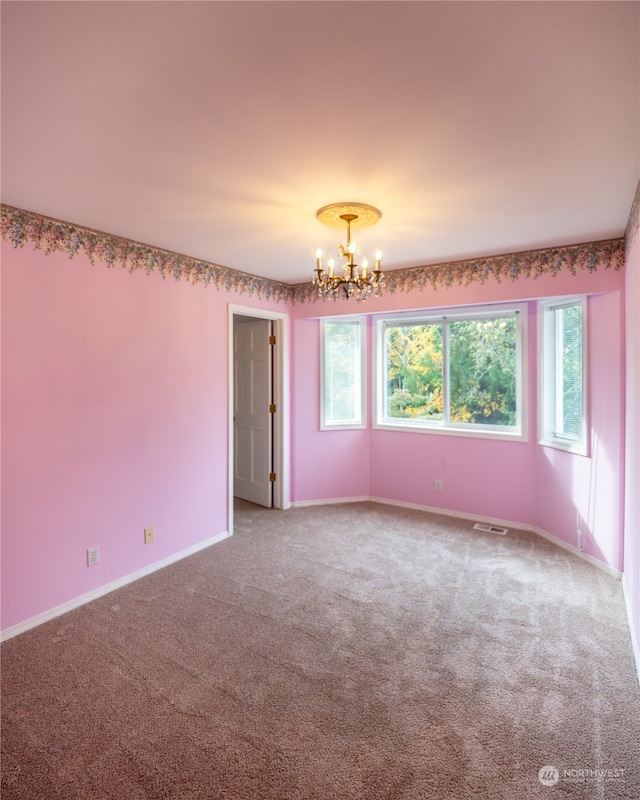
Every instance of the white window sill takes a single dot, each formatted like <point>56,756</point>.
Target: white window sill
<point>442,430</point>
<point>577,448</point>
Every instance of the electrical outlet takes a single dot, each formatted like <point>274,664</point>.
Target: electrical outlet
<point>149,535</point>
<point>93,556</point>
<point>438,486</point>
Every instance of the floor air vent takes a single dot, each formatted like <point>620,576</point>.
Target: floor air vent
<point>479,526</point>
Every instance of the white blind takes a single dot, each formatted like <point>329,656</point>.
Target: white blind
<point>342,373</point>
<point>569,417</point>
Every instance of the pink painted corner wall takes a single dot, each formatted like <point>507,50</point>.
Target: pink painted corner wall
<point>520,482</point>
<point>326,464</point>
<point>631,576</point>
<point>114,418</point>
<point>586,492</point>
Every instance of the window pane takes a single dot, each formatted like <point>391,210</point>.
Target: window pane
<point>413,368</point>
<point>457,372</point>
<point>342,373</point>
<point>562,376</point>
<point>569,418</point>
<point>482,371</point>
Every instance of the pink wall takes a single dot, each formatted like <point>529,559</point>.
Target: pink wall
<point>632,472</point>
<point>479,476</point>
<point>575,491</point>
<point>326,464</point>
<point>484,477</point>
<point>114,417</point>
<point>520,482</point>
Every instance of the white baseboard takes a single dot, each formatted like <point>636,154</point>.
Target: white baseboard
<point>52,613</point>
<point>456,514</point>
<point>329,502</point>
<point>503,523</point>
<point>577,552</point>
<point>634,640</point>
<point>134,576</point>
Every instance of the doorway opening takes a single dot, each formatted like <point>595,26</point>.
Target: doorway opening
<point>258,441</point>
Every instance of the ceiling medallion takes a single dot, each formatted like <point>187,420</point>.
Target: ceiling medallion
<point>354,280</point>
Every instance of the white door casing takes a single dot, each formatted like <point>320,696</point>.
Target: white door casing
<point>281,397</point>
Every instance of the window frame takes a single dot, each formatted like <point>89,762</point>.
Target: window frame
<point>360,322</point>
<point>517,432</point>
<point>548,378</point>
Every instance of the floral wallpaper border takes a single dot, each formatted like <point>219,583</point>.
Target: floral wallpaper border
<point>50,235</point>
<point>44,233</point>
<point>633,226</point>
<point>609,254</point>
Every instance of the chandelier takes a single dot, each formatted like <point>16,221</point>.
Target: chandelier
<point>358,281</point>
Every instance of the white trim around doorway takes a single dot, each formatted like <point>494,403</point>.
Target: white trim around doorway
<point>281,394</point>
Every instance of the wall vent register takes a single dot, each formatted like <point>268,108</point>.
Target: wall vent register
<point>479,526</point>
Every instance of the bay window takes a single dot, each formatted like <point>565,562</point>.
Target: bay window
<point>462,372</point>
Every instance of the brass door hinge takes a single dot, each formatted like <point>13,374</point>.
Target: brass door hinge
<point>272,340</point>
<point>272,408</point>
<point>272,477</point>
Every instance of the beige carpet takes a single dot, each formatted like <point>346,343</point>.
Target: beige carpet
<point>352,651</point>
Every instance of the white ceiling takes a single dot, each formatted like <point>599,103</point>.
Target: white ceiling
<point>217,129</point>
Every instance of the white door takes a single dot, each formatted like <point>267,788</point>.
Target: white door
<point>252,429</point>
